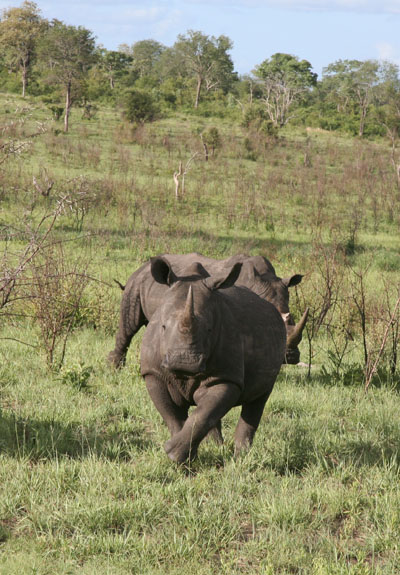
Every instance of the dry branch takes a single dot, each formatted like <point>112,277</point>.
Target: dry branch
<point>179,176</point>
<point>372,370</point>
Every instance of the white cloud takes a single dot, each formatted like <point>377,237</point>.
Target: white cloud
<point>387,51</point>
<point>141,15</point>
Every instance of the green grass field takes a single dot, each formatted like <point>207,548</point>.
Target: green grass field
<point>85,484</point>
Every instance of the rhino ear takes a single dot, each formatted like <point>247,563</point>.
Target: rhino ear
<point>249,271</point>
<point>224,281</point>
<point>161,271</point>
<point>292,280</point>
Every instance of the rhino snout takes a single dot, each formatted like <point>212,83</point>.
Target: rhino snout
<point>184,361</point>
<point>292,356</point>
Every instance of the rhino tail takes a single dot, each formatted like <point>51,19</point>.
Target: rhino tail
<point>122,286</point>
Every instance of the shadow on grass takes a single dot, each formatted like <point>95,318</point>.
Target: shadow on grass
<point>49,439</point>
<point>350,377</point>
<point>357,452</point>
<point>221,244</point>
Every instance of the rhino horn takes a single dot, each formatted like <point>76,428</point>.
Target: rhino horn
<point>294,335</point>
<point>187,318</point>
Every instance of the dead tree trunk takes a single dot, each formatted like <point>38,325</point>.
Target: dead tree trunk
<point>67,107</point>
<point>198,90</point>
<point>179,177</point>
<point>205,147</point>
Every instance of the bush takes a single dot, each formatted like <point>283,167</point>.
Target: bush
<point>211,139</point>
<point>140,107</point>
<point>254,114</point>
<point>56,111</point>
<point>256,118</point>
<point>77,375</point>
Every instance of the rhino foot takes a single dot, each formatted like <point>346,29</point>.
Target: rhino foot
<point>179,452</point>
<point>116,359</point>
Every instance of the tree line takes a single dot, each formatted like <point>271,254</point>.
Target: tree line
<point>64,65</point>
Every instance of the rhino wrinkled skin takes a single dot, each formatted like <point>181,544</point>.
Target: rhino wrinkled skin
<point>213,345</point>
<point>143,295</point>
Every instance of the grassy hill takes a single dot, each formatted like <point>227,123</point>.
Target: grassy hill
<point>84,483</point>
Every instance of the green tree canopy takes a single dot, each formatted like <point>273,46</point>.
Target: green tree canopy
<point>284,79</point>
<point>66,54</point>
<point>353,82</point>
<point>387,110</point>
<point>113,64</point>
<point>19,31</point>
<point>145,56</point>
<point>206,59</point>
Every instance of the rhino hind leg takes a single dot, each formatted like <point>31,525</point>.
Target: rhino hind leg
<point>131,320</point>
<point>248,423</point>
<point>212,404</point>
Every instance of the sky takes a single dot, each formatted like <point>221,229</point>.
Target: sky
<point>320,31</point>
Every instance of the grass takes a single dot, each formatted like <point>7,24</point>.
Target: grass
<point>85,486</point>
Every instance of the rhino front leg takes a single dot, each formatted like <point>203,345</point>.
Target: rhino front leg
<point>174,415</point>
<point>212,404</point>
<point>248,423</point>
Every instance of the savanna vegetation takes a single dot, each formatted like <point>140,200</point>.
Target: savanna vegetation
<point>129,154</point>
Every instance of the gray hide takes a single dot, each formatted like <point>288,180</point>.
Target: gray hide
<point>213,345</point>
<point>142,295</point>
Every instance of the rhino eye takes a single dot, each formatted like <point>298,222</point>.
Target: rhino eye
<point>163,327</point>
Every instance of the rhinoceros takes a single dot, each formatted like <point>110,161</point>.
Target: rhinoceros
<point>142,296</point>
<point>213,345</point>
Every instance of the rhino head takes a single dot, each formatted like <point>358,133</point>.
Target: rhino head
<point>188,317</point>
<point>276,290</point>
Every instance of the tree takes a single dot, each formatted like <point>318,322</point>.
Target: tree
<point>139,106</point>
<point>206,59</point>
<point>145,56</point>
<point>388,110</point>
<point>285,79</point>
<point>353,82</point>
<point>66,54</point>
<point>19,30</point>
<point>113,64</point>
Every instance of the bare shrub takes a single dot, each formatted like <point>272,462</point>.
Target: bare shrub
<point>321,294</point>
<point>77,200</point>
<point>14,263</point>
<point>96,308</point>
<point>43,182</point>
<point>57,287</point>
<point>384,335</point>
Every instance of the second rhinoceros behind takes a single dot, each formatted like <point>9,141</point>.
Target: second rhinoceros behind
<point>142,295</point>
<point>213,345</point>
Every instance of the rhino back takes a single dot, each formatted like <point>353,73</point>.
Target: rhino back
<point>263,337</point>
<point>180,261</point>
